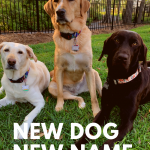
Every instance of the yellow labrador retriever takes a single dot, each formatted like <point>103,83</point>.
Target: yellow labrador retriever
<point>23,79</point>
<point>73,73</point>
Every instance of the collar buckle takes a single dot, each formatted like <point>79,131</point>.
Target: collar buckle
<point>115,82</point>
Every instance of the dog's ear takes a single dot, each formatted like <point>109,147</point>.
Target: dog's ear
<point>143,54</point>
<point>84,5</point>
<point>105,48</point>
<point>1,45</point>
<point>30,53</point>
<point>48,7</point>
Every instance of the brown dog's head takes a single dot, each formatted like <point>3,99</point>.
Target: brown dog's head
<point>124,49</point>
<point>63,12</point>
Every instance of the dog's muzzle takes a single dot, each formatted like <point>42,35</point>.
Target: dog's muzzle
<point>61,16</point>
<point>122,60</point>
<point>122,57</point>
<point>11,63</point>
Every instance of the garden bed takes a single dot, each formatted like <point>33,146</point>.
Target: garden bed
<point>39,37</point>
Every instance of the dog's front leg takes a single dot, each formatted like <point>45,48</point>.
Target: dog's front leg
<point>6,101</point>
<point>60,100</point>
<point>123,130</point>
<point>101,118</point>
<point>127,117</point>
<point>39,103</point>
<point>92,88</point>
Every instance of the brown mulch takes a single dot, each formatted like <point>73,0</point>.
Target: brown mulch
<point>27,38</point>
<point>35,38</point>
<point>106,31</point>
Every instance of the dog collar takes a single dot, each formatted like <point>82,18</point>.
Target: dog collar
<point>70,36</point>
<point>121,81</point>
<point>20,80</point>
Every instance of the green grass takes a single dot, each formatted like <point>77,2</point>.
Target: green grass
<point>139,137</point>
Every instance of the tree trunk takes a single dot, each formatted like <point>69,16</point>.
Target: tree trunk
<point>149,11</point>
<point>127,19</point>
<point>141,11</point>
<point>107,18</point>
<point>118,17</point>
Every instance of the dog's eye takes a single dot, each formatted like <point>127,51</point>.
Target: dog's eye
<point>20,52</point>
<point>134,43</point>
<point>56,1</point>
<point>117,40</point>
<point>6,50</point>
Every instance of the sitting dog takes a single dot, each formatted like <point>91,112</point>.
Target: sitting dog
<point>128,82</point>
<point>73,73</point>
<point>23,79</point>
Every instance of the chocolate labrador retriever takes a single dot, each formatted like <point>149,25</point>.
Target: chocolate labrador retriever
<point>128,82</point>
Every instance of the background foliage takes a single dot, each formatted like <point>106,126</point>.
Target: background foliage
<point>23,15</point>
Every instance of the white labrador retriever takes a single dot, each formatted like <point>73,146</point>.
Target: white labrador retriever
<point>23,79</point>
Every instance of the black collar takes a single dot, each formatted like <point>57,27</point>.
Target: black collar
<point>69,36</point>
<point>20,80</point>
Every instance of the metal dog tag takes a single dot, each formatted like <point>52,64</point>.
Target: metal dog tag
<point>75,47</point>
<point>25,87</point>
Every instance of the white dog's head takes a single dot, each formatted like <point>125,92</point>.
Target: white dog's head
<point>14,55</point>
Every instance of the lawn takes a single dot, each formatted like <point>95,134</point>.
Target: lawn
<point>139,137</point>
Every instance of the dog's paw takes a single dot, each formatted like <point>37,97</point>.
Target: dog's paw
<point>95,112</point>
<point>82,105</point>
<point>19,136</point>
<point>59,107</point>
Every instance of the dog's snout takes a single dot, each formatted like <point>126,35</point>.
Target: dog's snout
<point>61,12</point>
<point>122,57</point>
<point>11,61</point>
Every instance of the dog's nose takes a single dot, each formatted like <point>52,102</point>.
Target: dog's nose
<point>61,12</point>
<point>122,57</point>
<point>11,61</point>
